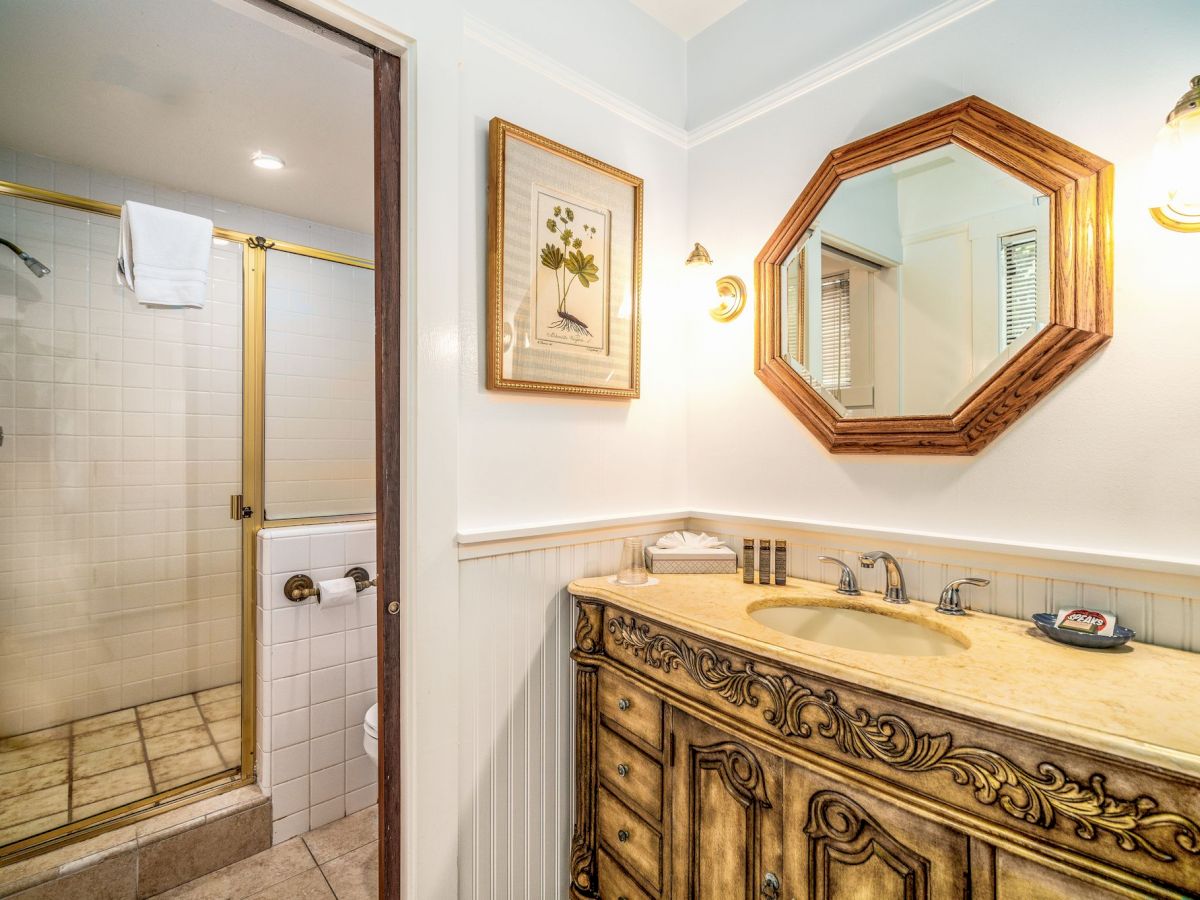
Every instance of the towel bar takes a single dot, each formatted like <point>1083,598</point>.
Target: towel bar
<point>301,587</point>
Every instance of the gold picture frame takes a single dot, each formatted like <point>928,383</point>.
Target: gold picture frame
<point>564,269</point>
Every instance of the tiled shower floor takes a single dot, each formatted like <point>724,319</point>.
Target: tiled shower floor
<point>72,771</point>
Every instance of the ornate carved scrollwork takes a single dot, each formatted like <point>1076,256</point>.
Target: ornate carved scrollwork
<point>588,628</point>
<point>840,832</point>
<point>739,770</point>
<point>1040,798</point>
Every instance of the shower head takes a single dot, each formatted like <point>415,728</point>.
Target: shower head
<point>36,267</point>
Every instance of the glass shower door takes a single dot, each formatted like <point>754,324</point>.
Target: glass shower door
<point>121,577</point>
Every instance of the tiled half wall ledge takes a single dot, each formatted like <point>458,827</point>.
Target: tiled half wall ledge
<point>316,678</point>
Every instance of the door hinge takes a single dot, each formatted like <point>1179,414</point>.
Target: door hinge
<point>237,510</point>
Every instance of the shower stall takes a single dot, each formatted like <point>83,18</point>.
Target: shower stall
<point>141,451</point>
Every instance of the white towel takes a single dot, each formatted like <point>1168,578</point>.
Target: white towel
<point>163,255</point>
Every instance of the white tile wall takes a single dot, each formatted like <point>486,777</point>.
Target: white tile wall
<point>316,678</point>
<point>120,564</point>
<point>320,388</point>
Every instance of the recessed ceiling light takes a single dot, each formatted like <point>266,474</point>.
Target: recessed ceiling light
<point>266,160</point>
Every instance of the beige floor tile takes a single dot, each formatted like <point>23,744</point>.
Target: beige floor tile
<point>22,781</point>
<point>85,765</point>
<point>108,720</point>
<point>28,829</point>
<point>226,729</point>
<point>340,837</point>
<point>21,741</point>
<point>34,805</point>
<point>229,691</point>
<point>161,707</point>
<point>310,885</point>
<point>108,803</point>
<point>86,791</point>
<point>36,755</point>
<point>254,874</point>
<point>222,709</point>
<point>355,876</point>
<point>187,765</point>
<point>231,752</point>
<point>172,721</point>
<point>105,738</point>
<point>178,742</point>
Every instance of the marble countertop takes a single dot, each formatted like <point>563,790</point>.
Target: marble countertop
<point>1137,702</point>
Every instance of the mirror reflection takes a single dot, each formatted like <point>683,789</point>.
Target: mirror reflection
<point>916,282</point>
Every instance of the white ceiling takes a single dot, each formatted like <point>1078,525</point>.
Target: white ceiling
<point>688,18</point>
<point>180,93</point>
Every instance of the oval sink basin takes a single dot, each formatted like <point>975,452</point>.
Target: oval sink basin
<point>856,629</point>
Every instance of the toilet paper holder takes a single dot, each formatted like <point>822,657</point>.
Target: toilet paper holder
<point>301,587</point>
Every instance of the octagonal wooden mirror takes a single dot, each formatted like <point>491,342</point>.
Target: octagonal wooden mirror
<point>934,281</point>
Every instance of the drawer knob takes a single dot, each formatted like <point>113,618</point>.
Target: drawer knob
<point>622,769</point>
<point>623,704</point>
<point>622,835</point>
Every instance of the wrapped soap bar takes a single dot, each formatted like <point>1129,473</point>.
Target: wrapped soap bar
<point>1089,621</point>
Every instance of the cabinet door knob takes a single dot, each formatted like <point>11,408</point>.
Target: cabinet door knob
<point>623,704</point>
<point>622,835</point>
<point>770,886</point>
<point>622,769</point>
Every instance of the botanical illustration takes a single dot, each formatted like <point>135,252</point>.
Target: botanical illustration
<point>571,280</point>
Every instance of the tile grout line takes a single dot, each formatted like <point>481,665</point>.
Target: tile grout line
<point>137,718</point>
<point>212,738</point>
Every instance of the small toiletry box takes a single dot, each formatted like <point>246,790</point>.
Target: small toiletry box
<point>691,561</point>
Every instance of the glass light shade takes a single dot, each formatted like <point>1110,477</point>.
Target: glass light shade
<point>1175,166</point>
<point>633,563</point>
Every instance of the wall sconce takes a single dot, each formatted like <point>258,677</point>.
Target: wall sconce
<point>730,288</point>
<point>1176,165</point>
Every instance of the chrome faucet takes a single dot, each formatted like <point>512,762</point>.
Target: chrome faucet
<point>896,592</point>
<point>847,584</point>
<point>950,602</point>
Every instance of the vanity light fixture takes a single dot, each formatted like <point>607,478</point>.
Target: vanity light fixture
<point>1176,165</point>
<point>266,160</point>
<point>730,288</point>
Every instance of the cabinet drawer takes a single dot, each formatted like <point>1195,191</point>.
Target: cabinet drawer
<point>631,708</point>
<point>631,774</point>
<point>631,840</point>
<point>615,882</point>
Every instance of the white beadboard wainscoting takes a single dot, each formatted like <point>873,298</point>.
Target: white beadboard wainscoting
<point>517,693</point>
<point>316,678</point>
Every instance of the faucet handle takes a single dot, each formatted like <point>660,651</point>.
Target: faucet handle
<point>847,584</point>
<point>950,602</point>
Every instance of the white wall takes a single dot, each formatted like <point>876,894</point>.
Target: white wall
<point>527,458</point>
<point>1105,462</point>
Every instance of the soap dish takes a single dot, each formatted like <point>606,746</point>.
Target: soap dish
<point>1045,623</point>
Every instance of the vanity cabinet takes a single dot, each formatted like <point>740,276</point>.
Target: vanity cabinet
<point>706,772</point>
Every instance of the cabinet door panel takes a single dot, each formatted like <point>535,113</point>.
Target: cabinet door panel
<point>1023,879</point>
<point>848,845</point>
<point>726,814</point>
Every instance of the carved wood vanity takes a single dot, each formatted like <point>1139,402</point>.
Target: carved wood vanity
<point>718,759</point>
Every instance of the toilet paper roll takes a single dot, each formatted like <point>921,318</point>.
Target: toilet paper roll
<point>337,592</point>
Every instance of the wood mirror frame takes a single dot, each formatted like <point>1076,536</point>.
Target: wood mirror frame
<point>1079,185</point>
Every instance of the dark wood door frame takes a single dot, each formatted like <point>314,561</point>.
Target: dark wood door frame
<point>391,439</point>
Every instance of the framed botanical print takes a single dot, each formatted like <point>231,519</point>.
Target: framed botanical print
<point>564,269</point>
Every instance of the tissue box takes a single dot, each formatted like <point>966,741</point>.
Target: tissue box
<point>691,561</point>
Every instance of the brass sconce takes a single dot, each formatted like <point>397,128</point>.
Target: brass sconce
<point>730,288</point>
<point>1176,165</point>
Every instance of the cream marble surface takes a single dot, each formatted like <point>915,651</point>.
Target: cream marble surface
<point>1138,702</point>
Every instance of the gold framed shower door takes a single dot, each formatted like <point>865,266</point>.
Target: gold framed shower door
<point>254,259</point>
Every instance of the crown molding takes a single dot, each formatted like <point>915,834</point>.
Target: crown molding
<point>862,55</point>
<point>488,35</point>
<point>506,45</point>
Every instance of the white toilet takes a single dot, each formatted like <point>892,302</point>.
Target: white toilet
<point>371,733</point>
